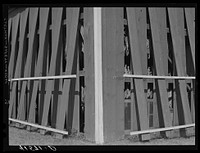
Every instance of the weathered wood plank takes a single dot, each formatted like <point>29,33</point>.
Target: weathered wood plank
<point>190,20</point>
<point>112,65</point>
<point>193,101</point>
<point>56,49</point>
<point>137,68</point>
<point>177,31</point>
<point>12,62</point>
<point>43,36</point>
<point>89,73</point>
<point>33,14</point>
<point>74,116</point>
<point>158,26</point>
<point>70,55</point>
<point>15,24</point>
<point>13,54</point>
<point>134,112</point>
<point>22,51</point>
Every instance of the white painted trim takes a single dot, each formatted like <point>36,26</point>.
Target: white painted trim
<point>158,77</point>
<point>39,126</point>
<point>44,77</point>
<point>98,76</point>
<point>162,129</point>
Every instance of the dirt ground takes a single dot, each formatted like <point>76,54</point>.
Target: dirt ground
<point>23,137</point>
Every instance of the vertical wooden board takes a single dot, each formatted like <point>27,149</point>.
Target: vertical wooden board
<point>193,101</point>
<point>190,20</point>
<point>112,65</point>
<point>33,14</point>
<point>14,39</point>
<point>75,115</point>
<point>142,36</point>
<point>12,61</point>
<point>155,108</point>
<point>45,68</point>
<point>134,117</point>
<point>56,92</point>
<point>72,18</point>
<point>176,19</point>
<point>18,61</point>
<point>56,29</point>
<point>12,99</point>
<point>89,73</point>
<point>43,38</point>
<point>162,19</point>
<point>15,25</point>
<point>22,50</point>
<point>157,15</point>
<point>137,67</point>
<point>177,32</point>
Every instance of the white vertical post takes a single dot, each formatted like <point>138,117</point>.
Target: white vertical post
<point>98,76</point>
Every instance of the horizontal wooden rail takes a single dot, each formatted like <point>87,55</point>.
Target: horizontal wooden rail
<point>39,126</point>
<point>157,77</point>
<point>44,77</point>
<point>161,129</point>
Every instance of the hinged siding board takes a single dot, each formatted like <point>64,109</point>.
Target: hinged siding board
<point>43,36</point>
<point>33,15</point>
<point>137,69</point>
<point>177,32</point>
<point>157,18</point>
<point>67,100</point>
<point>55,58</point>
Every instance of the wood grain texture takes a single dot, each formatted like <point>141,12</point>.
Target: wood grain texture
<point>112,64</point>
<point>17,73</point>
<point>56,29</point>
<point>190,20</point>
<point>12,60</point>
<point>43,36</point>
<point>177,31</point>
<point>137,68</point>
<point>33,15</point>
<point>71,58</point>
<point>89,73</point>
<point>157,20</point>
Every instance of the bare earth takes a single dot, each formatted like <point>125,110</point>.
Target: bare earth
<point>23,137</point>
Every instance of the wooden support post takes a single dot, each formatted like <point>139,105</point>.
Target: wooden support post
<point>177,30</point>
<point>159,36</point>
<point>99,126</point>
<point>133,27</point>
<point>112,65</point>
<point>89,73</point>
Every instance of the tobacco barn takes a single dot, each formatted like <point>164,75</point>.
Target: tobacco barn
<point>105,72</point>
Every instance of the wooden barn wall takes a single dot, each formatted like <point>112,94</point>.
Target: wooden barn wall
<point>143,41</point>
